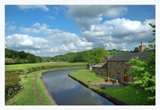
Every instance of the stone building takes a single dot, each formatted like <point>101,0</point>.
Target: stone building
<point>117,67</point>
<point>101,67</point>
<point>97,68</point>
<point>89,65</point>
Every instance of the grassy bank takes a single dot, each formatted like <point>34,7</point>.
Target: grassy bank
<point>27,95</point>
<point>129,95</point>
<point>86,75</point>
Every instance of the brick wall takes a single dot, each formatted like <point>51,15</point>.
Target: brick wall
<point>117,69</point>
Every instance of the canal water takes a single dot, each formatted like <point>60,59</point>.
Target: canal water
<point>66,91</point>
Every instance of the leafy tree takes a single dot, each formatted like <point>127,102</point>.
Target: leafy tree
<point>31,58</point>
<point>136,49</point>
<point>22,54</point>
<point>13,57</point>
<point>145,71</point>
<point>17,60</point>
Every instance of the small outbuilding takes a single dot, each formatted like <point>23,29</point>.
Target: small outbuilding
<point>97,68</point>
<point>89,65</point>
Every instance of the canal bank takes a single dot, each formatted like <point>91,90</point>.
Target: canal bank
<point>106,96</point>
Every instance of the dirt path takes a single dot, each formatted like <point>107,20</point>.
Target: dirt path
<point>34,88</point>
<point>45,89</point>
<point>47,92</point>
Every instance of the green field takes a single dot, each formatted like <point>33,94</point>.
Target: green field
<point>129,95</point>
<point>23,66</point>
<point>86,75</point>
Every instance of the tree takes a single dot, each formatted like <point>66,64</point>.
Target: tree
<point>31,58</point>
<point>136,49</point>
<point>13,57</point>
<point>145,71</point>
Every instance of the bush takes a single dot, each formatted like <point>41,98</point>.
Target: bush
<point>9,61</point>
<point>12,85</point>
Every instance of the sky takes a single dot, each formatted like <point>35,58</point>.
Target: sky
<point>49,30</point>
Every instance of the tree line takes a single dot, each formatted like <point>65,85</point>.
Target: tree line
<point>15,57</point>
<point>91,56</point>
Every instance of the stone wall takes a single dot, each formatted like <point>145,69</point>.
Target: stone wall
<point>117,69</point>
<point>103,72</point>
<point>105,59</point>
<point>96,70</point>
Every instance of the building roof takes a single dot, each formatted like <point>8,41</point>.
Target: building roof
<point>99,65</point>
<point>126,56</point>
<point>109,56</point>
<point>90,64</point>
<point>104,66</point>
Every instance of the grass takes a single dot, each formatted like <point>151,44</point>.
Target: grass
<point>23,66</point>
<point>27,95</point>
<point>40,90</point>
<point>86,75</point>
<point>129,94</point>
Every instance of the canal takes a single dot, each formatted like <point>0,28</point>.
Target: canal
<point>66,91</point>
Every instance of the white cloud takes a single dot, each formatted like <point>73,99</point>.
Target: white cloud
<point>86,15</point>
<point>120,30</point>
<point>94,11</point>
<point>11,27</point>
<point>70,41</point>
<point>20,41</point>
<point>36,25</point>
<point>112,34</point>
<point>26,7</point>
<point>41,29</point>
<point>51,17</point>
<point>26,30</point>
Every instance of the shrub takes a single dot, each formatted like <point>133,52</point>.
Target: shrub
<point>9,61</point>
<point>12,85</point>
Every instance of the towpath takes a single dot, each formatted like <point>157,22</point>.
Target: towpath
<point>45,89</point>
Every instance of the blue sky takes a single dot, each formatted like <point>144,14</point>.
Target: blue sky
<point>49,30</point>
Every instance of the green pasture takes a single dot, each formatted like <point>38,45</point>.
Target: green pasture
<point>23,66</point>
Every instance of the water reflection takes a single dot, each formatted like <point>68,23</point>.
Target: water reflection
<point>58,83</point>
<point>67,91</point>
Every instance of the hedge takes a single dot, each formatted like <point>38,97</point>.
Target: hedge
<point>12,85</point>
<point>9,61</point>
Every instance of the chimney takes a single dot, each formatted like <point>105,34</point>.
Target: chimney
<point>141,47</point>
